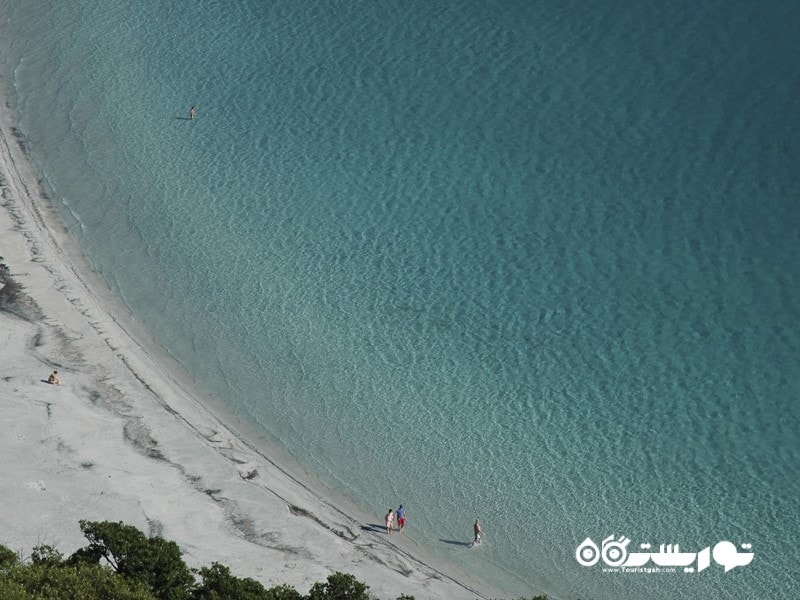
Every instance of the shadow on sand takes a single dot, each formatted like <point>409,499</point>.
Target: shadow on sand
<point>373,527</point>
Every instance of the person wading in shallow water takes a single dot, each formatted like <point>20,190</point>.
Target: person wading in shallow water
<point>192,113</point>
<point>478,532</point>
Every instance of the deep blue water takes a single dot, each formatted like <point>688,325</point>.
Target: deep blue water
<point>528,262</point>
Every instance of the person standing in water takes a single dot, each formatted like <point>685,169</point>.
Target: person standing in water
<point>478,532</point>
<point>192,113</point>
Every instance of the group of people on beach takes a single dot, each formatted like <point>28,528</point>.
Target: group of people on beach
<point>400,516</point>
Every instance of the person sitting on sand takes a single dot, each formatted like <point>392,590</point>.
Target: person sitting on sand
<point>54,378</point>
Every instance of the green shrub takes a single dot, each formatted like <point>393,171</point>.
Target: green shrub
<point>11,590</point>
<point>47,555</point>
<point>339,586</point>
<point>154,562</point>
<point>8,558</point>
<point>283,592</point>
<point>85,582</point>
<point>219,584</point>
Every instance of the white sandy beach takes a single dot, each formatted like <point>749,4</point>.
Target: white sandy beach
<point>125,438</point>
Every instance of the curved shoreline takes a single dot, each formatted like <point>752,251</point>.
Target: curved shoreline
<point>127,438</point>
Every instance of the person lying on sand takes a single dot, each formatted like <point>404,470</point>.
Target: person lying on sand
<point>54,378</point>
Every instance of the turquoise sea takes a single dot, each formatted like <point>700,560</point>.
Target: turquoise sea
<point>532,262</point>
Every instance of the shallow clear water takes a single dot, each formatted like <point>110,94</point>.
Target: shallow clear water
<point>534,263</point>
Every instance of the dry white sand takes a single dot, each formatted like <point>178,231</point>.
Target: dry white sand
<point>125,438</point>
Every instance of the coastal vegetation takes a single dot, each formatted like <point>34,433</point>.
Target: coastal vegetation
<point>12,297</point>
<point>10,290</point>
<point>122,563</point>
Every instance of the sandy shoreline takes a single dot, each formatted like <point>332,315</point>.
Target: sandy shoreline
<point>124,438</point>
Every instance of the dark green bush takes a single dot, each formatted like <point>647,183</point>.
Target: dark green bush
<point>47,555</point>
<point>85,582</point>
<point>219,584</point>
<point>154,562</point>
<point>8,558</point>
<point>339,586</point>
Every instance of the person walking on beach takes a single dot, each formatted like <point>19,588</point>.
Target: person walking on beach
<point>401,518</point>
<point>192,113</point>
<point>389,522</point>
<point>53,379</point>
<point>478,532</point>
